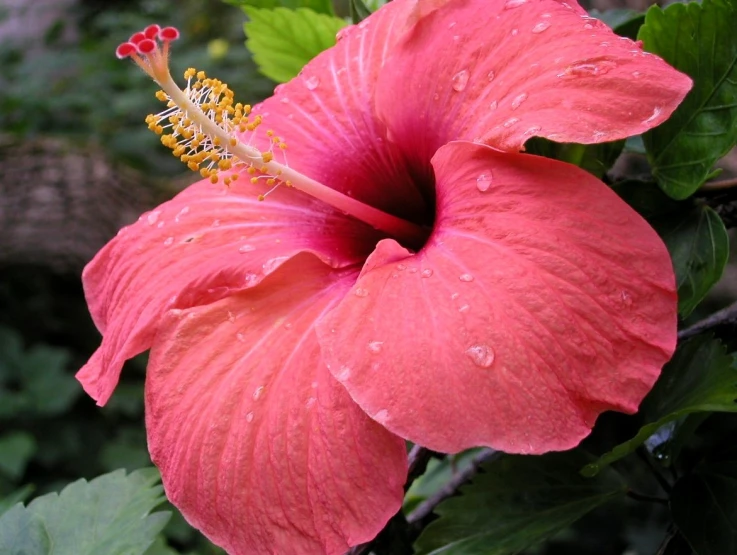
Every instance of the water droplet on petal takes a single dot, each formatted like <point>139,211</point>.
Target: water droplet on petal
<point>340,35</point>
<point>288,326</point>
<point>454,296</point>
<point>375,346</point>
<point>182,212</point>
<point>588,26</point>
<point>540,27</point>
<point>483,182</point>
<point>271,265</point>
<point>249,417</point>
<point>216,223</point>
<point>257,392</point>
<point>654,116</point>
<point>160,225</point>
<point>246,248</point>
<point>626,298</point>
<point>466,277</point>
<point>481,355</point>
<point>284,100</point>
<point>310,402</point>
<point>361,292</point>
<point>510,122</point>
<point>240,337</point>
<point>401,267</point>
<point>345,373</point>
<point>510,4</point>
<point>490,76</point>
<point>426,273</point>
<point>312,83</point>
<point>636,74</point>
<point>382,416</point>
<point>460,80</point>
<point>514,32</point>
<point>464,308</point>
<point>153,216</point>
<point>169,241</point>
<point>588,69</point>
<point>493,105</point>
<point>518,100</point>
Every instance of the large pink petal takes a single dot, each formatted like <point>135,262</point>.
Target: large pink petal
<point>540,300</point>
<point>207,243</point>
<point>326,115</point>
<point>500,72</point>
<point>257,444</point>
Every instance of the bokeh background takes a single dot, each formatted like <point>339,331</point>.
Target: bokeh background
<point>76,164</point>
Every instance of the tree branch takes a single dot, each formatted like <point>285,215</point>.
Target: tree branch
<point>424,509</point>
<point>725,317</point>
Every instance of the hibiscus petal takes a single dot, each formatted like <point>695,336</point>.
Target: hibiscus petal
<point>205,244</point>
<point>258,445</point>
<point>500,72</point>
<point>326,116</point>
<point>540,301</point>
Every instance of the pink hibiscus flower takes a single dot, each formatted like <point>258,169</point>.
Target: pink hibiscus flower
<point>419,279</point>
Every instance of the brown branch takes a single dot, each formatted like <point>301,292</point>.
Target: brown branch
<point>726,316</point>
<point>424,509</point>
<point>719,185</point>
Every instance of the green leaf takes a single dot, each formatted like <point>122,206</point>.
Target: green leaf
<point>699,39</point>
<point>517,502</point>
<point>359,11</point>
<point>699,247</point>
<point>108,515</point>
<point>701,377</point>
<point>704,508</point>
<point>596,159</point>
<point>283,41</point>
<point>17,448</point>
<point>319,6</point>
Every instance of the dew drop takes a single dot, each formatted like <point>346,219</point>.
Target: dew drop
<point>483,182</point>
<point>153,217</point>
<point>515,32</point>
<point>169,241</point>
<point>249,417</point>
<point>288,326</point>
<point>160,225</point>
<point>510,122</point>
<point>216,223</point>
<point>481,355</point>
<point>284,100</point>
<point>257,392</point>
<point>588,26</point>
<point>375,346</point>
<point>361,292</point>
<point>401,267</point>
<point>454,296</point>
<point>654,116</point>
<point>250,277</point>
<point>271,265</point>
<point>413,270</point>
<point>490,76</point>
<point>588,69</point>
<point>493,105</point>
<point>340,35</point>
<point>460,80</point>
<point>345,373</point>
<point>240,337</point>
<point>182,212</point>
<point>466,277</point>
<point>312,83</point>
<point>626,298</point>
<point>518,100</point>
<point>310,402</point>
<point>511,4</point>
<point>636,74</point>
<point>382,416</point>
<point>540,27</point>
<point>464,308</point>
<point>246,248</point>
<point>426,273</point>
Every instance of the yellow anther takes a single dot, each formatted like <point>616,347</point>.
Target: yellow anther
<point>201,75</point>
<point>190,73</point>
<point>288,183</point>
<point>233,141</point>
<point>283,146</point>
<point>261,198</point>
<point>161,95</point>
<point>213,178</point>
<point>267,157</point>
<point>271,181</point>
<point>251,170</point>
<point>269,133</point>
<point>192,165</point>
<point>254,180</point>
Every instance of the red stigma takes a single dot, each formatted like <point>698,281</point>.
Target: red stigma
<point>152,31</point>
<point>137,37</point>
<point>125,49</point>
<point>168,34</point>
<point>146,46</point>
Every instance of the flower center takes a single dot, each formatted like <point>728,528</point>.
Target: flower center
<point>205,130</point>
